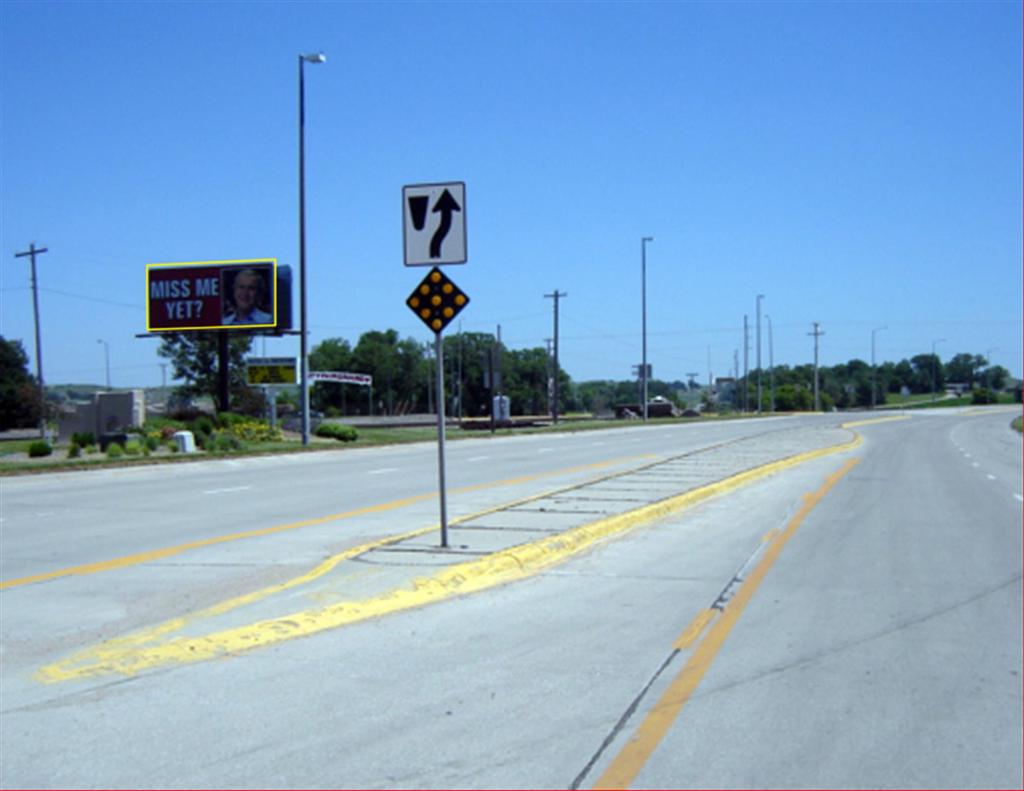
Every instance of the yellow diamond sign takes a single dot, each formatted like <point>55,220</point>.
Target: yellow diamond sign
<point>437,300</point>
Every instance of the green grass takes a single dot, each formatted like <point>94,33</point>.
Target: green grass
<point>1018,424</point>
<point>15,446</point>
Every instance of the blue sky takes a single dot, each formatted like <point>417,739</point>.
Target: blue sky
<point>858,164</point>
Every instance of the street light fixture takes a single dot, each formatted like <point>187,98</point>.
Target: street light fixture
<point>317,57</point>
<point>873,385</point>
<point>106,350</point>
<point>940,340</point>
<point>643,295</point>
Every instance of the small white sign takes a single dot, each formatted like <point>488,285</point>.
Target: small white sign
<point>341,376</point>
<point>434,223</point>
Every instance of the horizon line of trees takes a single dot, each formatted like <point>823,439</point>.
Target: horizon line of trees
<point>403,379</point>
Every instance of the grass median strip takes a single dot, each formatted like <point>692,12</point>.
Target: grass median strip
<point>151,648</point>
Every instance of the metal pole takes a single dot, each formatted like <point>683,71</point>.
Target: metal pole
<point>554,401</point>
<point>643,299</point>
<point>817,333</point>
<point>303,301</point>
<point>940,340</point>
<point>106,354</point>
<point>32,253</point>
<point>874,374</point>
<point>442,496</point>
<point>746,363</point>
<point>303,329</point>
<point>759,298</point>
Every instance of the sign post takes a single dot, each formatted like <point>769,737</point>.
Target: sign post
<point>439,353</point>
<point>437,300</point>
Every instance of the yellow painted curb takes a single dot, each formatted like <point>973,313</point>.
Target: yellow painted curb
<point>144,650</point>
<point>872,421</point>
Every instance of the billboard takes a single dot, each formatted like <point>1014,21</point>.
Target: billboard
<point>212,295</point>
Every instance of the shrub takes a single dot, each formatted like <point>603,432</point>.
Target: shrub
<point>229,419</point>
<point>256,431</point>
<point>202,425</point>
<point>83,438</point>
<point>152,442</point>
<point>984,396</point>
<point>224,442</point>
<point>74,451</point>
<point>39,448</point>
<point>133,447</point>
<point>114,451</point>
<point>337,431</point>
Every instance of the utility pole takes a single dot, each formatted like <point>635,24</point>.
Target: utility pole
<point>746,360</point>
<point>874,386</point>
<point>817,334</point>
<point>32,252</point>
<point>709,370</point>
<point>643,297</point>
<point>163,375</point>
<point>759,298</point>
<point>554,401</point>
<point>106,355</point>
<point>771,364</point>
<point>549,390</point>
<point>736,378</point>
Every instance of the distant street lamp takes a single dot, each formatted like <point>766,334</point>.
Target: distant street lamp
<point>940,340</point>
<point>643,294</point>
<point>988,362</point>
<point>873,385</point>
<point>759,298</point>
<point>318,57</point>
<point>106,350</point>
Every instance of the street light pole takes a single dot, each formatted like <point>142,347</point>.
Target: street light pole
<point>873,372</point>
<point>643,294</point>
<point>106,351</point>
<point>940,340</point>
<point>759,298</point>
<point>318,57</point>
<point>988,362</point>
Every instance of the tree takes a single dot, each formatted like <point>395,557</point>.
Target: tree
<point>333,354</point>
<point>193,357</point>
<point>19,391</point>
<point>399,369</point>
<point>963,367</point>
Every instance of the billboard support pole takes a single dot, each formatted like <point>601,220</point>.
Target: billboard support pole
<point>223,361</point>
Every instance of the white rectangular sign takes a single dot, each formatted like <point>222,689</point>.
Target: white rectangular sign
<point>434,223</point>
<point>341,376</point>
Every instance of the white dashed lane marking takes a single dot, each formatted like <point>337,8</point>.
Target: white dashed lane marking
<point>229,489</point>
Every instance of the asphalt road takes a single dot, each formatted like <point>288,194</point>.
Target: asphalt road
<point>850,621</point>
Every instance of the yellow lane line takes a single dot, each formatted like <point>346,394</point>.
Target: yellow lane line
<point>158,554</point>
<point>874,420</point>
<point>625,767</point>
<point>145,649</point>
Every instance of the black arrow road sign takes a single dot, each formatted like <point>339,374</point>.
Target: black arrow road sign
<point>446,204</point>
